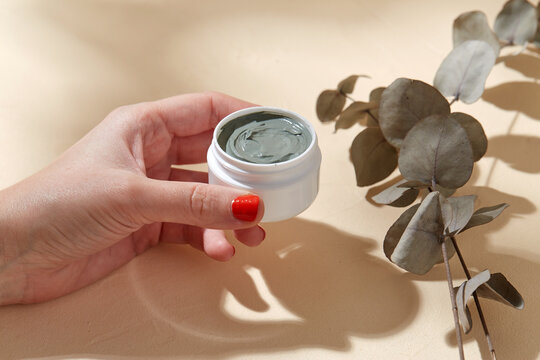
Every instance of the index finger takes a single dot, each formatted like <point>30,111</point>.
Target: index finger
<point>192,114</point>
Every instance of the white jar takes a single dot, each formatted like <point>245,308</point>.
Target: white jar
<point>287,188</point>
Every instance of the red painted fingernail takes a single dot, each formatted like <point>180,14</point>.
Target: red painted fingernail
<point>245,207</point>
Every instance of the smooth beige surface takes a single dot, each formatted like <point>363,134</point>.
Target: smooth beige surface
<point>320,286</point>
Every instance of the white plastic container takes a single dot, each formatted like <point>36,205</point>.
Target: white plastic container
<point>287,188</point>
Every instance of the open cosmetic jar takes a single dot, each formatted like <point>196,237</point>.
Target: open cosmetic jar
<point>270,152</point>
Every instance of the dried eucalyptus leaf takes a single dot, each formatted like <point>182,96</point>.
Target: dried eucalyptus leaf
<point>404,103</point>
<point>419,248</point>
<point>396,196</point>
<point>444,191</point>
<point>375,94</point>
<point>372,156</point>
<point>485,215</point>
<point>348,122</point>
<point>463,294</point>
<point>414,185</point>
<point>464,71</point>
<point>473,25</point>
<point>370,120</point>
<point>353,114</point>
<point>437,150</point>
<point>498,288</point>
<point>346,86</point>
<point>456,213</point>
<point>330,104</point>
<point>396,230</point>
<point>475,133</point>
<point>517,22</point>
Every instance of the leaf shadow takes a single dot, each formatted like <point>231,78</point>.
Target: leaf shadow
<point>325,279</point>
<point>510,149</point>
<point>511,330</point>
<point>528,65</point>
<point>519,96</point>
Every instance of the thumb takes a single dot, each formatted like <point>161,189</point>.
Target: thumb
<point>199,204</point>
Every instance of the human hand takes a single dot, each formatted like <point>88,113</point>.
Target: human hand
<point>113,195</point>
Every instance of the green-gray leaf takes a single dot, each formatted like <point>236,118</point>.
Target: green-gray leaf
<point>473,25</point>
<point>372,156</point>
<point>346,86</point>
<point>464,292</point>
<point>485,215</point>
<point>419,248</point>
<point>396,230</point>
<point>353,114</point>
<point>498,288</point>
<point>404,103</point>
<point>437,151</point>
<point>475,133</point>
<point>396,196</point>
<point>456,213</point>
<point>517,22</point>
<point>464,71</point>
<point>330,104</point>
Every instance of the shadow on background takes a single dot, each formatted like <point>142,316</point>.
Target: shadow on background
<point>519,96</point>
<point>329,286</point>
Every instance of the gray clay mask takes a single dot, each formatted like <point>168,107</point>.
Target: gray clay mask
<point>264,138</point>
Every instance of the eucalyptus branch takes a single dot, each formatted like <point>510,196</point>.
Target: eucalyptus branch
<point>476,300</point>
<point>452,299</point>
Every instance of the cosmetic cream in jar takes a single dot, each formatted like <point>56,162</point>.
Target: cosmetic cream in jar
<point>270,152</point>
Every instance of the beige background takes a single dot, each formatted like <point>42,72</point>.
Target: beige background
<point>319,287</point>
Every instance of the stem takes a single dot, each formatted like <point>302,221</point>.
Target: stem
<point>453,101</point>
<point>452,299</point>
<point>476,300</point>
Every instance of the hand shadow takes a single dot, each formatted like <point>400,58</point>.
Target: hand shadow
<point>307,285</point>
<point>511,330</point>
<point>323,277</point>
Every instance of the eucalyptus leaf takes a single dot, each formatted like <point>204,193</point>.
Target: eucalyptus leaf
<point>353,114</point>
<point>465,291</point>
<point>370,119</point>
<point>330,103</point>
<point>475,133</point>
<point>517,22</point>
<point>419,247</point>
<point>473,25</point>
<point>404,103</point>
<point>376,94</point>
<point>485,215</point>
<point>414,185</point>
<point>456,213</point>
<point>464,71</point>
<point>346,86</point>
<point>396,230</point>
<point>396,196</point>
<point>498,288</point>
<point>437,151</point>
<point>372,156</point>
<point>446,192</point>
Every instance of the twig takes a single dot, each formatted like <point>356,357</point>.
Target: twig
<point>452,299</point>
<point>476,300</point>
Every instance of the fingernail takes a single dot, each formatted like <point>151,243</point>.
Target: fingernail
<point>245,207</point>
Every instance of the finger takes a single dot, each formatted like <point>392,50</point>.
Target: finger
<point>191,114</point>
<point>188,175</point>
<point>252,236</point>
<point>212,242</point>
<point>216,245</point>
<point>192,149</point>
<point>209,206</point>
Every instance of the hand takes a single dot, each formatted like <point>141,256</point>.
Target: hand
<point>114,194</point>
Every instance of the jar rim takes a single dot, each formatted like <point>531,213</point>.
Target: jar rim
<point>264,167</point>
